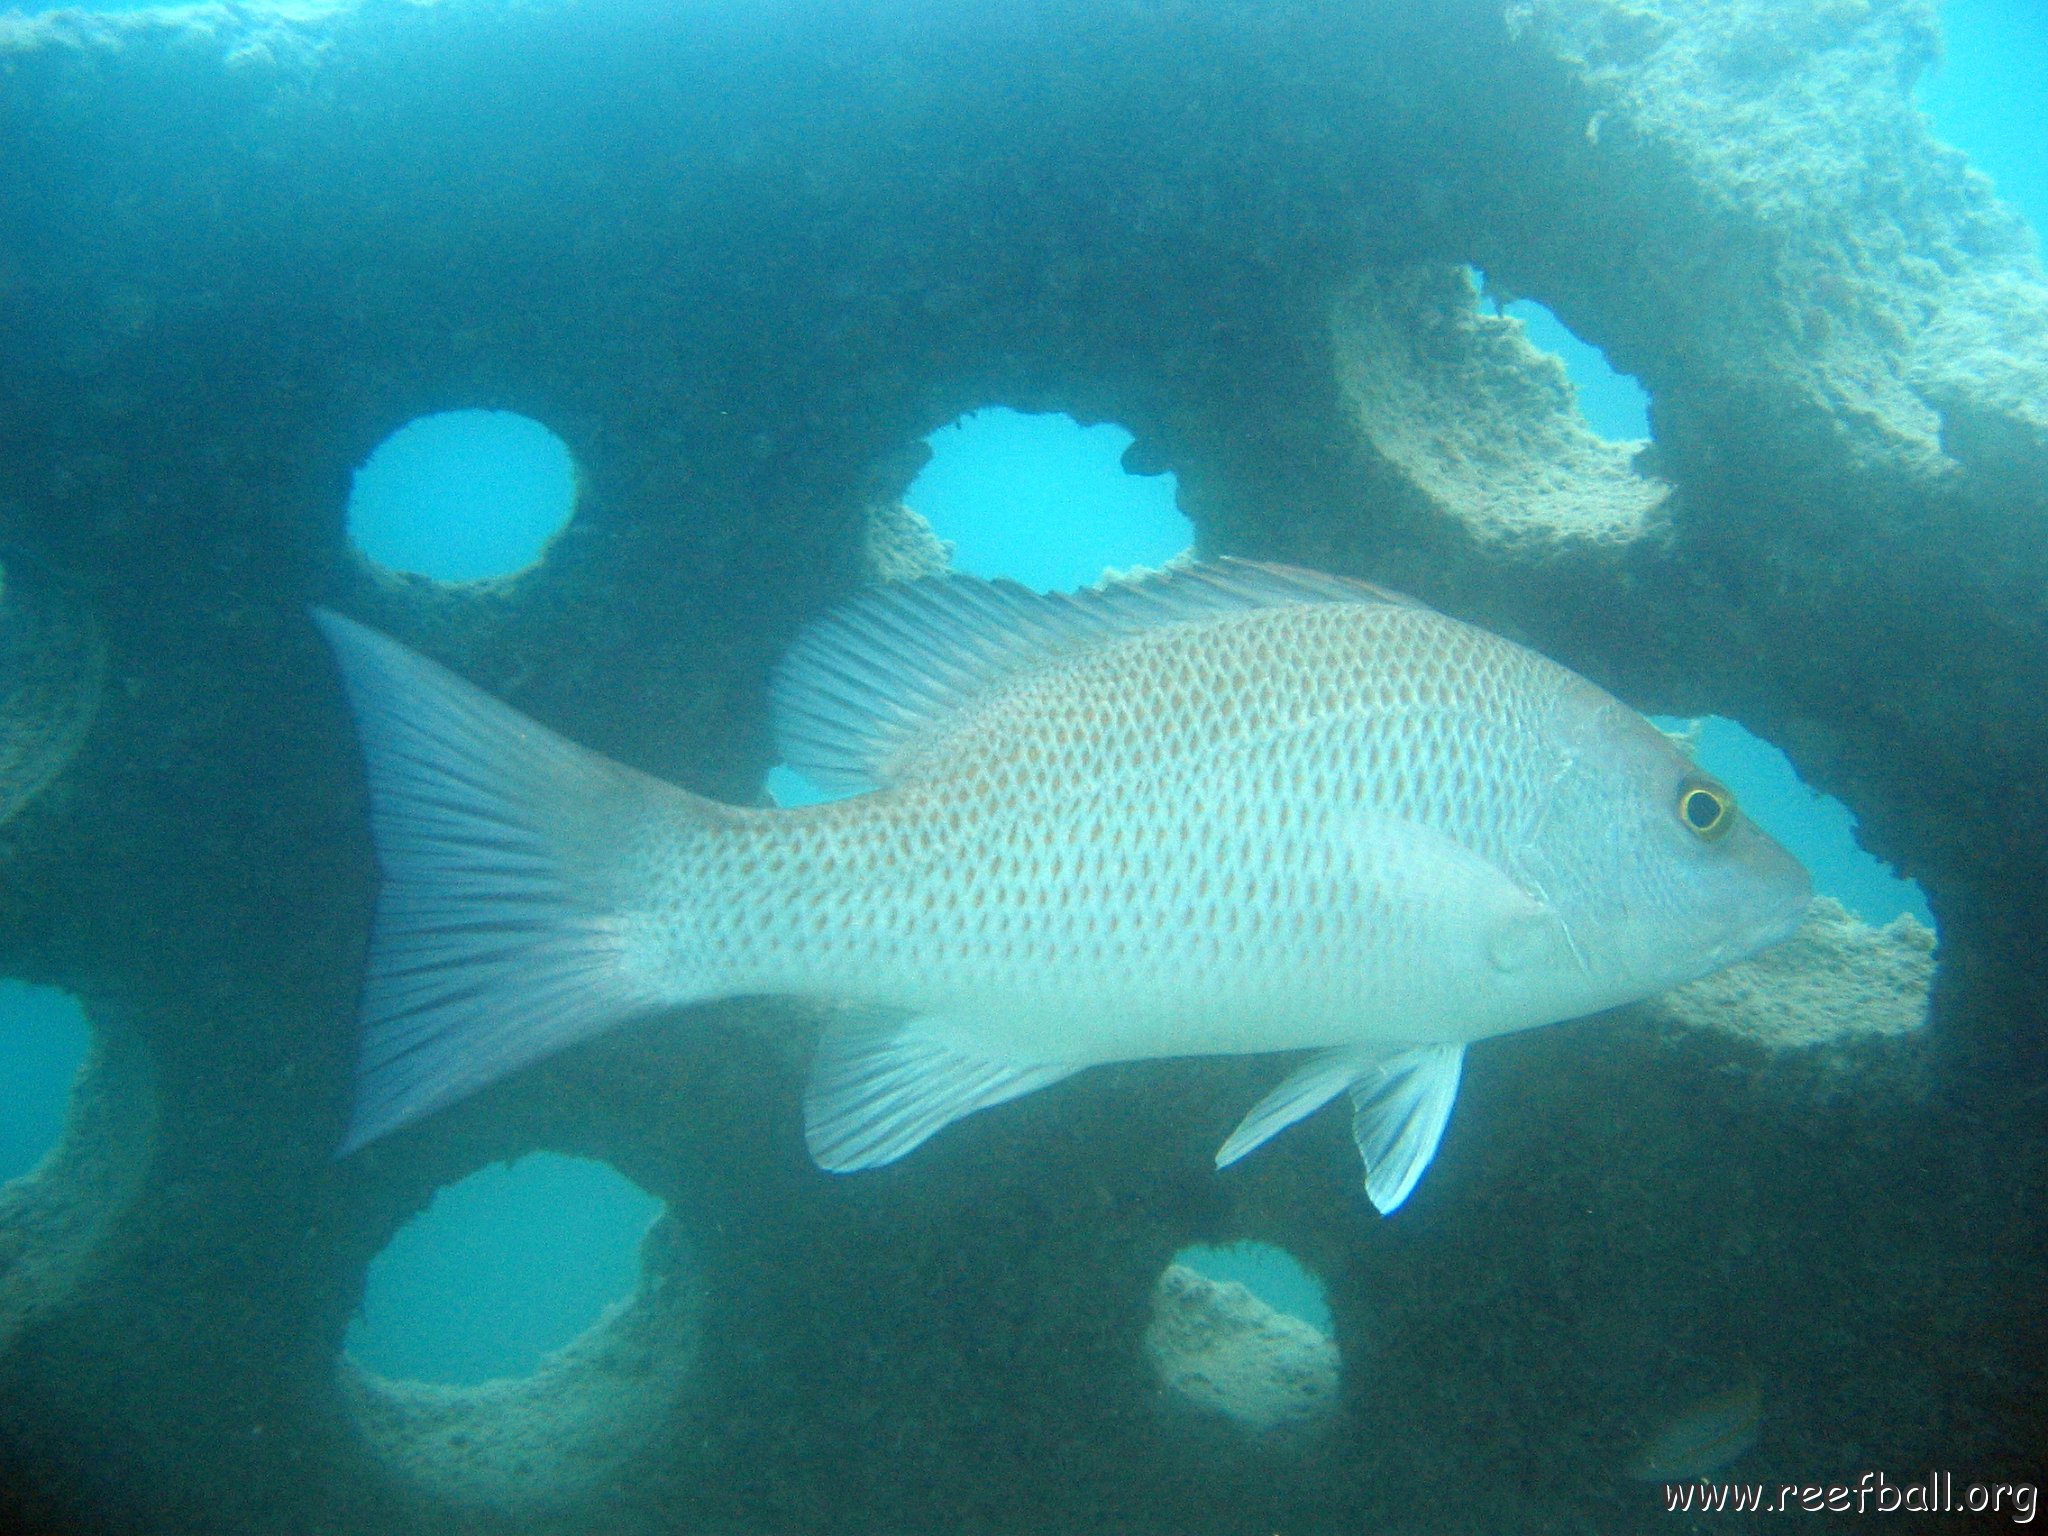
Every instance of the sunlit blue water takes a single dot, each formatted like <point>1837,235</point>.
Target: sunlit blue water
<point>1818,828</point>
<point>1044,501</point>
<point>1989,97</point>
<point>462,495</point>
<point>1613,404</point>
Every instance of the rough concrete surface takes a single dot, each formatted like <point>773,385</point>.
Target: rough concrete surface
<point>1221,1350</point>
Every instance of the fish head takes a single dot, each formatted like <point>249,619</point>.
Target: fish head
<point>1657,872</point>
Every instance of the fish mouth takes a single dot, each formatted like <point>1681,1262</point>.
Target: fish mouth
<point>1779,873</point>
<point>1787,920</point>
<point>1780,924</point>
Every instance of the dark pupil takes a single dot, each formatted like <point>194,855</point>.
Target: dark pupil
<point>1702,809</point>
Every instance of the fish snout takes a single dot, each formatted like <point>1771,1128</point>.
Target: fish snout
<point>1781,888</point>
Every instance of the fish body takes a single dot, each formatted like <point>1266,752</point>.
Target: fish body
<point>1233,809</point>
<point>1707,1436</point>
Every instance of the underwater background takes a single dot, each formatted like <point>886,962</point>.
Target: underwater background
<point>525,1231</point>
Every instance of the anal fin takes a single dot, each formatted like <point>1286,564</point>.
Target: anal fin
<point>878,1093</point>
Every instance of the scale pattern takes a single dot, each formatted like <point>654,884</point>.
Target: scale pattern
<point>1157,844</point>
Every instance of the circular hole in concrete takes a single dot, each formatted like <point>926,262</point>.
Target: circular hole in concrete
<point>1222,1349</point>
<point>1038,499</point>
<point>586,1414</point>
<point>503,1268</point>
<point>1045,501</point>
<point>77,1140</point>
<point>462,495</point>
<point>1818,830</point>
<point>44,1038</point>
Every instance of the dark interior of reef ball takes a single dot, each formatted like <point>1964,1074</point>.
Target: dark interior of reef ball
<point>740,260</point>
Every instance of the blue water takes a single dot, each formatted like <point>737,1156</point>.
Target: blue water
<point>1614,404</point>
<point>462,495</point>
<point>504,1266</point>
<point>1989,97</point>
<point>1044,501</point>
<point>43,1040</point>
<point>1818,828</point>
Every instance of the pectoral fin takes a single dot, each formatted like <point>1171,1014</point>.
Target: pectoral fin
<point>1400,1105</point>
<point>875,1094</point>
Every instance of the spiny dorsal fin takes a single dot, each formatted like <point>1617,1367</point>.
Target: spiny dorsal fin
<point>895,662</point>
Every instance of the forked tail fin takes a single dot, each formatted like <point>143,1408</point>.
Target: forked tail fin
<point>514,863</point>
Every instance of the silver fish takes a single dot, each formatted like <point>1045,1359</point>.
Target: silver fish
<point>1231,808</point>
<point>1707,1436</point>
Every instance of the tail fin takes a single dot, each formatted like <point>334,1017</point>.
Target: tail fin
<point>503,930</point>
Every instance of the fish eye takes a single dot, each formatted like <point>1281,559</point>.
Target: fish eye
<point>1706,809</point>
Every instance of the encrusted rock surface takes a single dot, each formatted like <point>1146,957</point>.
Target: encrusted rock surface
<point>1222,1350</point>
<point>1837,979</point>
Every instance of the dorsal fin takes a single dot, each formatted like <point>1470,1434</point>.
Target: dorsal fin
<point>894,663</point>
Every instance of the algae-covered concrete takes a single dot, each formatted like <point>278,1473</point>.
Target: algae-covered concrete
<point>741,258</point>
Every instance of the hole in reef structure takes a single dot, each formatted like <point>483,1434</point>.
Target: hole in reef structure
<point>1221,1349</point>
<point>1272,1274</point>
<point>1610,402</point>
<point>56,1213</point>
<point>1860,970</point>
<point>1045,501</point>
<point>572,1427</point>
<point>503,1267</point>
<point>44,1040</point>
<point>462,496</point>
<point>1479,422</point>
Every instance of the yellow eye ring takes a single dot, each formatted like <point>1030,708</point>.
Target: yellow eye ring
<point>1706,809</point>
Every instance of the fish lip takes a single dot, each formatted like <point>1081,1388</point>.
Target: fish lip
<point>1789,919</point>
<point>1785,921</point>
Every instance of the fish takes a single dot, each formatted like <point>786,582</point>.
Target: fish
<point>1703,1438</point>
<point>1229,808</point>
